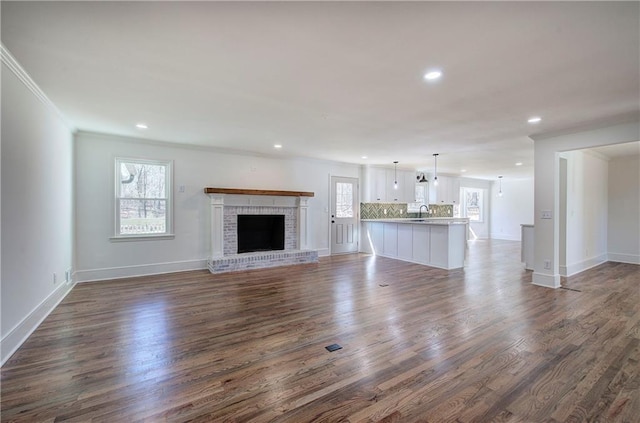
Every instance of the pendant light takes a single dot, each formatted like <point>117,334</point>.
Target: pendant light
<point>435,173</point>
<point>395,175</point>
<point>500,181</point>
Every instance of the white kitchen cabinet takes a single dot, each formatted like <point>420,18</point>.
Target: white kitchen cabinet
<point>421,247</point>
<point>409,187</point>
<point>434,244</point>
<point>393,195</point>
<point>405,242</point>
<point>439,245</point>
<point>390,239</point>
<point>377,240</point>
<point>378,185</point>
<point>447,191</point>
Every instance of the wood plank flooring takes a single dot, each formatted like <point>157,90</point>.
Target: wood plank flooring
<point>419,345</point>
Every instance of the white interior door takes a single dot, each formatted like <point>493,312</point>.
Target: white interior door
<point>344,215</point>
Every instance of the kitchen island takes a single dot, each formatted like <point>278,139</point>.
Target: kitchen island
<point>436,242</point>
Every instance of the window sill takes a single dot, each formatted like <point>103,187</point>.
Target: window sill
<point>125,238</point>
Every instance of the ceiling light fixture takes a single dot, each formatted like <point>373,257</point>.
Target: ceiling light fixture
<point>534,119</point>
<point>463,170</point>
<point>364,157</point>
<point>435,169</point>
<point>518,163</point>
<point>277,146</point>
<point>500,191</point>
<point>395,175</point>
<point>141,125</point>
<point>421,178</point>
<point>432,75</point>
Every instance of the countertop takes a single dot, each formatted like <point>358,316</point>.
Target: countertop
<point>424,221</point>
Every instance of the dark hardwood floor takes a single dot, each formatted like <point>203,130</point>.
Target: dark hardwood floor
<point>418,344</point>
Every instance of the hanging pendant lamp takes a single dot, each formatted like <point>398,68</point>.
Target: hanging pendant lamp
<point>395,175</point>
<point>435,167</point>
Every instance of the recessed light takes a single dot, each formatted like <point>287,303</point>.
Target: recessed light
<point>141,125</point>
<point>277,146</point>
<point>364,157</point>
<point>534,119</point>
<point>519,164</point>
<point>463,170</point>
<point>432,75</point>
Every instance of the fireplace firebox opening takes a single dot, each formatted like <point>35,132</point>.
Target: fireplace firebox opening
<point>260,232</point>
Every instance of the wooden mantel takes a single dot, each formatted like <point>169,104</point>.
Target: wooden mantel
<point>257,192</point>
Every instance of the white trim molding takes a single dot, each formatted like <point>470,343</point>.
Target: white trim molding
<point>92,275</point>
<point>548,281</point>
<point>581,266</point>
<point>7,58</point>
<point>624,258</point>
<point>19,334</point>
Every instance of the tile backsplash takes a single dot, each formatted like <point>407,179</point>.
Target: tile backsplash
<point>399,210</point>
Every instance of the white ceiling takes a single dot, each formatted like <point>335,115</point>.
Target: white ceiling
<point>333,80</point>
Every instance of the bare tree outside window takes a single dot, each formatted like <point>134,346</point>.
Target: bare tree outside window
<point>142,197</point>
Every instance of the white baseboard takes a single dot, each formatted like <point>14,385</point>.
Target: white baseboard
<point>139,270</point>
<point>506,237</point>
<point>581,266</point>
<point>548,281</point>
<point>624,258</point>
<point>323,252</point>
<point>16,336</point>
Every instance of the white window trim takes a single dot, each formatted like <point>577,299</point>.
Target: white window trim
<point>464,203</point>
<point>117,237</point>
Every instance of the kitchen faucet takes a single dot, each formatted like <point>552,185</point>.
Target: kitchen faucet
<point>420,212</point>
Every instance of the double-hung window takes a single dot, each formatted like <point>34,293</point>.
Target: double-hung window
<point>143,198</point>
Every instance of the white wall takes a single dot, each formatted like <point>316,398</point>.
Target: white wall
<point>513,209</point>
<point>586,208</point>
<point>624,210</point>
<point>195,168</point>
<point>37,207</point>
<point>547,182</point>
<point>480,229</point>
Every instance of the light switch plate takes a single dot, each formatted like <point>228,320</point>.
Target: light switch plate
<point>546,214</point>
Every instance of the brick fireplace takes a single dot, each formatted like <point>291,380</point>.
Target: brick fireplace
<point>227,204</point>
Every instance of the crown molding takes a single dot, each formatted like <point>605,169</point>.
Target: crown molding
<point>12,64</point>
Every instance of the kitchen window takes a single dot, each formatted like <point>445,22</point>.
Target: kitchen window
<point>473,205</point>
<point>143,206</point>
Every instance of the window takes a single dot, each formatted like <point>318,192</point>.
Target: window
<point>143,198</point>
<point>344,200</point>
<point>421,198</point>
<point>473,205</point>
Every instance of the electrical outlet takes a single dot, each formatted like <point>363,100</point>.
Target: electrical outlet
<point>181,188</point>
<point>67,275</point>
<point>55,279</point>
<point>547,264</point>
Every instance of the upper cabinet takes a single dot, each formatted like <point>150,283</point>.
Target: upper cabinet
<point>447,191</point>
<point>378,185</point>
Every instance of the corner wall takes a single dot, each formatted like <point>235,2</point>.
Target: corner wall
<point>623,241</point>
<point>194,168</point>
<point>547,150</point>
<point>37,207</point>
<point>513,209</point>
<point>586,208</point>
